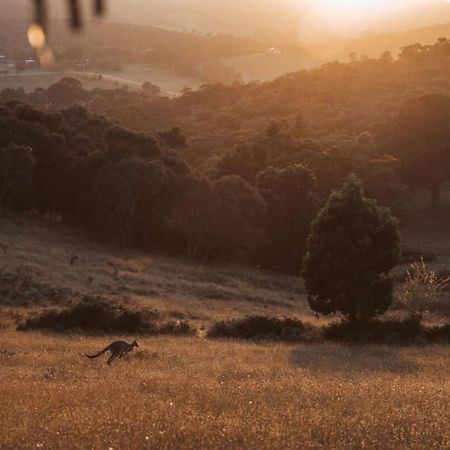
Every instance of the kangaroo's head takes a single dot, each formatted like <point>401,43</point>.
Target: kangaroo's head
<point>134,343</point>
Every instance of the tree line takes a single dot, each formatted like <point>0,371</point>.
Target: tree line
<point>257,202</point>
<point>253,195</point>
<point>137,190</point>
<point>382,119</point>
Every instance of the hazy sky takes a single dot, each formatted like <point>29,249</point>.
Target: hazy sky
<point>308,15</point>
<point>358,15</point>
<point>247,17</point>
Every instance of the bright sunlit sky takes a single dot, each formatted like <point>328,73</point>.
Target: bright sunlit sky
<point>342,13</point>
<point>310,17</point>
<point>355,9</point>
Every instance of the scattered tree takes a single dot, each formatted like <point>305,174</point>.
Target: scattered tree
<point>353,245</point>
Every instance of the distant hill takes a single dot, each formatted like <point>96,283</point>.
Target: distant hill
<point>416,15</point>
<point>373,44</point>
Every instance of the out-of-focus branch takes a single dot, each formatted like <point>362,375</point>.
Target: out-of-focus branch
<point>40,15</point>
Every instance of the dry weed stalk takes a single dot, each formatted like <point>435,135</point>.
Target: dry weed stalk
<point>422,287</point>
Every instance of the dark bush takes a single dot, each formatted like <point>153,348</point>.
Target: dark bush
<point>375,330</point>
<point>440,333</point>
<point>260,328</point>
<point>95,314</point>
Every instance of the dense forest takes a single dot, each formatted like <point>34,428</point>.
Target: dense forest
<point>228,171</point>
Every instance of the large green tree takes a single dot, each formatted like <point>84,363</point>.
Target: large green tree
<point>291,199</point>
<point>132,194</point>
<point>353,245</point>
<point>420,138</point>
<point>220,217</point>
<point>17,167</point>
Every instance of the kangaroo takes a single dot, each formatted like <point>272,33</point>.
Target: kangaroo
<point>117,349</point>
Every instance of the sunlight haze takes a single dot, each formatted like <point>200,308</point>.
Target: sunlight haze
<point>224,224</point>
<point>348,16</point>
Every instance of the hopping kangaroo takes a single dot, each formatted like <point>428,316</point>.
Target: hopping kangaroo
<point>117,349</point>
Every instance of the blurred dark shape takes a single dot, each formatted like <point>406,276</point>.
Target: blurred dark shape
<point>74,10</point>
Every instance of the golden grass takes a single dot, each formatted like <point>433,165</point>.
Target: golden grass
<point>43,251</point>
<point>193,393</point>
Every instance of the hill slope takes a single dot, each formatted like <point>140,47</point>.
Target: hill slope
<point>43,263</point>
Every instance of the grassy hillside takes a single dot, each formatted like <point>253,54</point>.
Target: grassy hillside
<point>36,269</point>
<point>132,76</point>
<point>44,263</point>
<point>192,392</point>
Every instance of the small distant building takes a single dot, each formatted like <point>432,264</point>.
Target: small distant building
<point>83,65</point>
<point>275,51</point>
<point>3,66</point>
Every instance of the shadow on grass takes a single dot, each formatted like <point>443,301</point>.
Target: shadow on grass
<point>352,359</point>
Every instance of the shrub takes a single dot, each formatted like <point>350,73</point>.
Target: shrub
<point>421,289</point>
<point>441,333</point>
<point>260,327</point>
<point>352,247</point>
<point>91,314</point>
<point>95,314</point>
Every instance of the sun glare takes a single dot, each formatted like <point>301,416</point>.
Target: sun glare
<point>339,10</point>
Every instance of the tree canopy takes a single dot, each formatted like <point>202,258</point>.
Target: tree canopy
<point>353,245</point>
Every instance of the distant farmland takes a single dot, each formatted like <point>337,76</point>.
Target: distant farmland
<point>132,75</point>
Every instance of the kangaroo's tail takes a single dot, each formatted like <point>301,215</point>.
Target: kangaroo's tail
<point>98,354</point>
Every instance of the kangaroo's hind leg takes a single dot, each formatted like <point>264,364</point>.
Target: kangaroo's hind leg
<point>112,358</point>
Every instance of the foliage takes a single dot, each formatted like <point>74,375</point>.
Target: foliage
<point>420,138</point>
<point>221,216</point>
<point>95,314</point>
<point>353,245</point>
<point>421,289</point>
<point>17,166</point>
<point>260,327</point>
<point>237,170</point>
<point>291,199</point>
<point>132,194</point>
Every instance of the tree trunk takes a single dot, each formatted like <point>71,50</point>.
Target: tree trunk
<point>435,195</point>
<point>189,247</point>
<point>196,248</point>
<point>206,254</point>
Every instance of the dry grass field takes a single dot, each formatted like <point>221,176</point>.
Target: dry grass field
<point>177,393</point>
<point>132,75</point>
<point>37,257</point>
<point>193,393</point>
